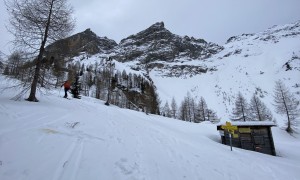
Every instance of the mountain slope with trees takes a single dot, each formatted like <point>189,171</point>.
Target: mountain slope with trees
<point>249,64</point>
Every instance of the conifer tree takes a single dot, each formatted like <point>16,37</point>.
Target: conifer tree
<point>183,110</point>
<point>202,110</point>
<point>190,107</point>
<point>187,109</point>
<point>240,111</point>
<point>286,104</point>
<point>167,110</point>
<point>36,23</point>
<point>14,63</point>
<point>212,116</point>
<point>258,111</point>
<point>174,108</point>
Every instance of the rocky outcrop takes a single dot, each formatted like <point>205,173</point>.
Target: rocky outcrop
<point>155,43</point>
<point>184,71</point>
<point>86,41</point>
<point>158,43</point>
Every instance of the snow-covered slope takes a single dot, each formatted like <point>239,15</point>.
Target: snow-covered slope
<point>75,139</point>
<point>59,139</point>
<point>250,63</point>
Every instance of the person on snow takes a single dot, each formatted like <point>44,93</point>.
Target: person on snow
<point>67,86</point>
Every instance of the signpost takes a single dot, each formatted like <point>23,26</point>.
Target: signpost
<point>230,129</point>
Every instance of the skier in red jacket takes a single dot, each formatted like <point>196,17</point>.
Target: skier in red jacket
<point>67,86</point>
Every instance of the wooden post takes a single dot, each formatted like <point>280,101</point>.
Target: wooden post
<point>230,129</point>
<point>230,141</point>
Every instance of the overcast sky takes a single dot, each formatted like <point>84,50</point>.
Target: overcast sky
<point>212,20</point>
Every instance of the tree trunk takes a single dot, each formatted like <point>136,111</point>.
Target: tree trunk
<point>39,59</point>
<point>244,117</point>
<point>258,110</point>
<point>289,128</point>
<point>35,81</point>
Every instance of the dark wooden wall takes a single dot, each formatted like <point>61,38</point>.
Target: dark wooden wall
<point>259,139</point>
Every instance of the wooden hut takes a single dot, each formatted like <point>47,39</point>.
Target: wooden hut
<point>251,135</point>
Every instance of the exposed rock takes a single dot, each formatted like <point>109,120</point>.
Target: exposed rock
<point>158,43</point>
<point>179,70</point>
<point>154,43</point>
<point>86,41</point>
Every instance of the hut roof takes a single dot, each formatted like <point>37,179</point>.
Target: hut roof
<point>250,123</point>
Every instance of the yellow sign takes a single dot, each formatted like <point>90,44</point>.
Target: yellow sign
<point>228,126</point>
<point>230,129</point>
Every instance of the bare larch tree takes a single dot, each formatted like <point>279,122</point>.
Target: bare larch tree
<point>240,111</point>
<point>35,24</point>
<point>258,111</point>
<point>174,108</point>
<point>202,110</point>
<point>286,104</point>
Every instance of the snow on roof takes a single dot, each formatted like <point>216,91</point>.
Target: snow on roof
<point>250,123</point>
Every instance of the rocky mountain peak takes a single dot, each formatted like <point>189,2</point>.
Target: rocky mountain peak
<point>157,26</point>
<point>86,41</point>
<point>158,43</point>
<point>89,32</point>
<point>156,31</point>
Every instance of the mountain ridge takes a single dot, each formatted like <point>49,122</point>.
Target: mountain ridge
<point>153,43</point>
<point>249,63</point>
<point>86,41</point>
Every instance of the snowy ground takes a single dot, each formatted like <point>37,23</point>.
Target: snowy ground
<point>58,139</point>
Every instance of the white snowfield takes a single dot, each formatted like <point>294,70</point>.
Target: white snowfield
<point>60,139</point>
<point>255,70</point>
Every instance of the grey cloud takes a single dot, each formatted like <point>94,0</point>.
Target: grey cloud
<point>213,20</point>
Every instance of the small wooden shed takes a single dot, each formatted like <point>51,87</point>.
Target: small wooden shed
<point>251,135</point>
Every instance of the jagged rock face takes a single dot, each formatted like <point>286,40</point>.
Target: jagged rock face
<point>154,43</point>
<point>86,41</point>
<point>183,71</point>
<point>158,43</point>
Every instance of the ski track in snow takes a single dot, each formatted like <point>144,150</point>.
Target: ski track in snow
<point>33,121</point>
<point>161,142</point>
<point>70,162</point>
<point>95,141</point>
<point>130,168</point>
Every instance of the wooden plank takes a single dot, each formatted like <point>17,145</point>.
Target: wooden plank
<point>260,131</point>
<point>247,145</point>
<point>259,140</point>
<point>245,130</point>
